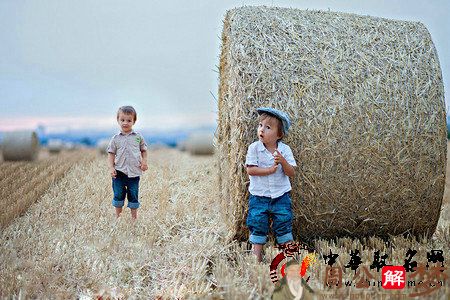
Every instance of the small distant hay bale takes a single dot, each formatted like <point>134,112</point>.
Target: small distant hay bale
<point>157,146</point>
<point>102,146</point>
<point>20,145</point>
<point>181,145</point>
<point>69,146</point>
<point>368,131</point>
<point>200,143</point>
<point>55,146</point>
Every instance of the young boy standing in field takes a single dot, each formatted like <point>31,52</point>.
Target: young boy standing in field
<point>127,158</point>
<point>269,164</point>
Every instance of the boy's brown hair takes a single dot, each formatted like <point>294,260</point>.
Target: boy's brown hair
<point>264,116</point>
<point>128,110</point>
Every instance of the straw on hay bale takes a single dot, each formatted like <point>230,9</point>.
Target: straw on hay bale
<point>366,99</point>
<point>55,146</point>
<point>20,145</point>
<point>200,143</point>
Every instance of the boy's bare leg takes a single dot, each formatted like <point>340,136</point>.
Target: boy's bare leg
<point>134,213</point>
<point>257,250</point>
<point>118,211</point>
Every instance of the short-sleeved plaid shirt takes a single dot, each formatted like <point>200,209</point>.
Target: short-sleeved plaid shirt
<point>128,148</point>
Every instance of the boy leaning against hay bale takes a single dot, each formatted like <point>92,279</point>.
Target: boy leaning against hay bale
<point>269,164</point>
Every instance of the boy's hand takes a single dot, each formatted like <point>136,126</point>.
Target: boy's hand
<point>273,168</point>
<point>144,166</point>
<point>113,172</point>
<point>278,158</point>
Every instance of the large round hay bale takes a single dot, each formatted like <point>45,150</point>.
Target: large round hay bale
<point>20,145</point>
<point>200,143</point>
<point>366,100</point>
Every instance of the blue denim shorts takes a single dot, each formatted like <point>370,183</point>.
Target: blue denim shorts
<point>125,186</point>
<point>261,210</point>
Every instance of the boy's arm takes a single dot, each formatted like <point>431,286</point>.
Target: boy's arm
<point>251,163</point>
<point>259,171</point>
<point>112,170</point>
<point>144,165</point>
<point>143,147</point>
<point>287,167</point>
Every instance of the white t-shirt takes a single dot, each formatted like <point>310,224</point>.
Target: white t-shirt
<point>273,185</point>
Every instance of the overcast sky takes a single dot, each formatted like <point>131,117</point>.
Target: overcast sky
<point>70,64</point>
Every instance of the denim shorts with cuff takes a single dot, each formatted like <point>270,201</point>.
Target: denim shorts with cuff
<point>261,210</point>
<point>125,186</point>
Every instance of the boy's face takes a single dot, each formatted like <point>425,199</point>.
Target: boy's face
<point>268,131</point>
<point>126,122</point>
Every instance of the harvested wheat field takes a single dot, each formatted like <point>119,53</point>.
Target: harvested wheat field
<point>69,245</point>
<point>23,182</point>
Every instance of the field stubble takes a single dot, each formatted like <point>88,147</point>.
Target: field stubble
<point>70,244</point>
<point>22,183</point>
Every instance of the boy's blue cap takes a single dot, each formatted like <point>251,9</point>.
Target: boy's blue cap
<point>277,114</point>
